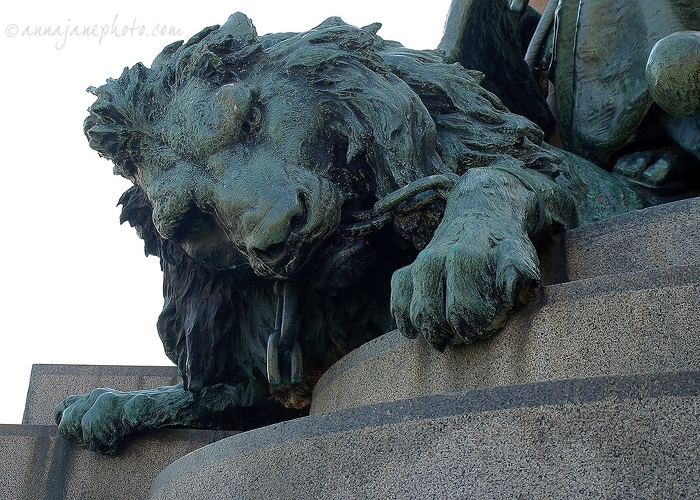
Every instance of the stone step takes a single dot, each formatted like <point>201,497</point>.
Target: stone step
<point>50,384</point>
<point>37,464</point>
<point>592,391</point>
<point>618,436</point>
<point>661,236</point>
<point>641,322</point>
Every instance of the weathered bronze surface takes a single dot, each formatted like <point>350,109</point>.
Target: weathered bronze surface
<point>307,192</point>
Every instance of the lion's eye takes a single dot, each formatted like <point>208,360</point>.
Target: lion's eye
<point>192,224</point>
<point>251,125</point>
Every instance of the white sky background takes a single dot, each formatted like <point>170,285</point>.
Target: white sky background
<point>76,287</point>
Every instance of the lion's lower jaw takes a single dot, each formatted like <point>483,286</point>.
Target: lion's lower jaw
<point>341,264</point>
<point>330,269</point>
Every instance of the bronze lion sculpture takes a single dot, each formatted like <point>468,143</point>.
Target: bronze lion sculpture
<point>307,192</point>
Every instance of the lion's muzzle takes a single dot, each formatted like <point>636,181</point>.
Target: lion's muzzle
<point>276,219</point>
<point>284,236</point>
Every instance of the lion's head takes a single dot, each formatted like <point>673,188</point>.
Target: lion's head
<point>261,158</point>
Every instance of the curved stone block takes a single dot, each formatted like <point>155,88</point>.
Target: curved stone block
<point>606,437</point>
<point>640,322</point>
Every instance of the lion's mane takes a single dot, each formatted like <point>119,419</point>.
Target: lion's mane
<point>395,107</point>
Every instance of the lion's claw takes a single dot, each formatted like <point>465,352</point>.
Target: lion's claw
<point>518,274</point>
<point>401,293</point>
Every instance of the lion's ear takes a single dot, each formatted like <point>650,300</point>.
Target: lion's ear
<point>372,28</point>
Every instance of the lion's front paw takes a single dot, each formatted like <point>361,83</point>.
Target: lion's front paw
<point>463,288</point>
<point>94,420</point>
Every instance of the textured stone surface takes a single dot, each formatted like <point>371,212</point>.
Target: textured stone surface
<point>637,322</point>
<point>607,437</point>
<point>36,464</point>
<point>601,435</point>
<point>50,384</point>
<point>665,235</point>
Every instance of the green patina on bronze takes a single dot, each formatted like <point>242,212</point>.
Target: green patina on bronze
<point>596,55</point>
<point>673,74</point>
<point>306,193</point>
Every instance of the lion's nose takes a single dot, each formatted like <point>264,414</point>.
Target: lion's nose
<point>274,235</point>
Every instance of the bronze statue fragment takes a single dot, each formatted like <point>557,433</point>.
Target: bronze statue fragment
<point>307,192</point>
